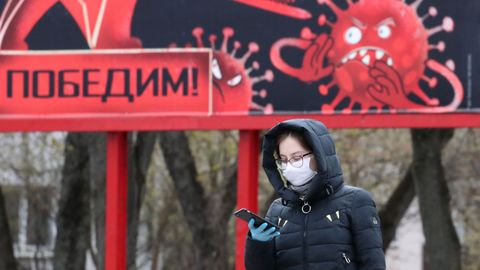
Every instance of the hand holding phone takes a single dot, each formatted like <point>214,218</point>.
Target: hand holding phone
<point>260,233</point>
<point>260,228</point>
<point>246,215</point>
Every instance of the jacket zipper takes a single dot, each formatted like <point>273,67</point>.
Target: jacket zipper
<point>346,258</point>
<point>305,264</point>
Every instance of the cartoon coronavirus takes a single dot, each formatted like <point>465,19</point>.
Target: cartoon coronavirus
<point>233,81</point>
<point>377,52</point>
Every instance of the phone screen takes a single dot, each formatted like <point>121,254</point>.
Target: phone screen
<point>246,215</point>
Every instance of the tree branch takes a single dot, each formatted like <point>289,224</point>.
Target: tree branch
<point>396,207</point>
<point>181,166</point>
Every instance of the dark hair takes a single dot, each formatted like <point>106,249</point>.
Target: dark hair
<point>295,134</point>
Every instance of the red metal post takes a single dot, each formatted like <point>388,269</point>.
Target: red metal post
<point>247,186</point>
<point>116,202</point>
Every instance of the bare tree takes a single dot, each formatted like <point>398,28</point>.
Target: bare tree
<point>82,201</point>
<point>7,259</point>
<point>442,243</point>
<point>140,155</point>
<point>209,231</point>
<point>73,220</point>
<point>392,212</point>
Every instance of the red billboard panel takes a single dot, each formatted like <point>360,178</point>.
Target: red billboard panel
<point>133,81</point>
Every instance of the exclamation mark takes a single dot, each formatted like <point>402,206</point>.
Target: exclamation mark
<point>195,81</point>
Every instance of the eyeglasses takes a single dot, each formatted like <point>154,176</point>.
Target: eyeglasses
<point>295,161</point>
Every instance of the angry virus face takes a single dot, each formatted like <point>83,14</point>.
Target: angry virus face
<point>379,30</point>
<point>233,81</point>
<point>377,52</point>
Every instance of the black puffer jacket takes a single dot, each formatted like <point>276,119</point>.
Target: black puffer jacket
<point>342,230</point>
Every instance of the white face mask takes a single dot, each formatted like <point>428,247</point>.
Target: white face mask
<point>299,176</point>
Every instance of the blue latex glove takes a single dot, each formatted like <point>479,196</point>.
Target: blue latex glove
<point>260,234</point>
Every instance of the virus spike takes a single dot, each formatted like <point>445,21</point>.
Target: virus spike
<point>329,108</point>
<point>348,110</point>
<point>447,25</point>
<point>236,46</point>
<point>198,33</point>
<point>363,110</point>
<point>212,38</point>
<point>307,33</point>
<point>262,93</point>
<point>432,82</point>
<point>322,21</point>
<point>227,34</point>
<point>393,110</point>
<point>173,45</point>
<point>336,101</point>
<point>416,4</point>
<point>252,48</point>
<point>324,89</point>
<point>188,45</point>
<point>255,66</point>
<point>267,109</point>
<point>450,64</point>
<point>440,46</point>
<point>268,76</point>
<point>432,12</point>
<point>331,5</point>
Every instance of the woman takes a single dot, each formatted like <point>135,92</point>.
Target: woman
<point>325,224</point>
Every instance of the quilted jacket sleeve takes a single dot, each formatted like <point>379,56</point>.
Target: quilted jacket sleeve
<point>367,232</point>
<point>261,255</point>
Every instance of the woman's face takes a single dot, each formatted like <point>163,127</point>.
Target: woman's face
<point>291,147</point>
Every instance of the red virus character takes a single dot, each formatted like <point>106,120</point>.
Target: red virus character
<point>232,79</point>
<point>104,24</point>
<point>377,52</point>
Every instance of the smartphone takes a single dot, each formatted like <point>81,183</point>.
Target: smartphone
<point>246,215</point>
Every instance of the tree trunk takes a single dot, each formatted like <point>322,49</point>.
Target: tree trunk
<point>207,215</point>
<point>97,147</point>
<point>83,197</point>
<point>442,244</point>
<point>7,258</point>
<point>73,220</point>
<point>396,207</point>
<point>139,157</point>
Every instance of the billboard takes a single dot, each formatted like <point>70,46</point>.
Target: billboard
<point>139,81</point>
<point>333,57</point>
<point>275,57</point>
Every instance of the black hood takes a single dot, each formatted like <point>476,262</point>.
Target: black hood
<point>329,177</point>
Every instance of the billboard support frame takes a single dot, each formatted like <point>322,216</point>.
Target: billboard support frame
<point>117,126</point>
